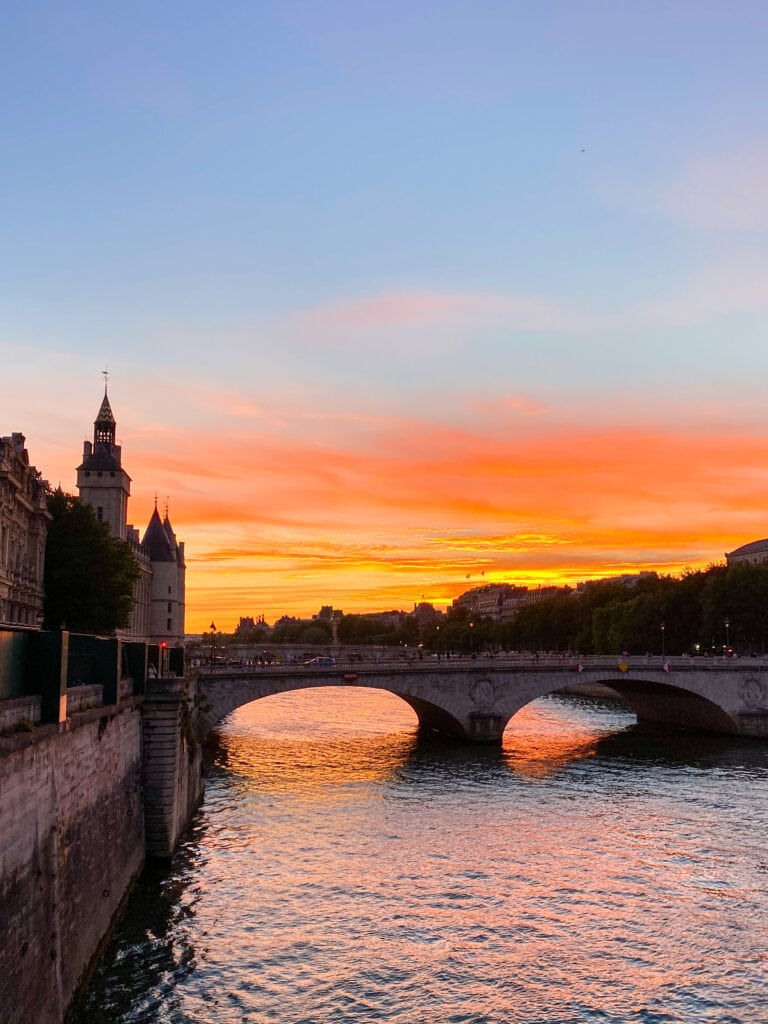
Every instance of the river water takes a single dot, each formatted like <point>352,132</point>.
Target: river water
<point>341,870</point>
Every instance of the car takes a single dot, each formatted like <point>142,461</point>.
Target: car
<point>321,661</point>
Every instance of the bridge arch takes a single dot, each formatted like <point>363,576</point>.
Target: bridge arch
<point>219,695</point>
<point>654,700</point>
<point>665,703</point>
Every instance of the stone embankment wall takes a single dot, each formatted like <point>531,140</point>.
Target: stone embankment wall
<point>71,844</point>
<point>82,803</point>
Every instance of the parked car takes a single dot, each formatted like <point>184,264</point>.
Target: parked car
<point>321,661</point>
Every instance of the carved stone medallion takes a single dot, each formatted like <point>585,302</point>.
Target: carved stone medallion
<point>754,693</point>
<point>484,693</point>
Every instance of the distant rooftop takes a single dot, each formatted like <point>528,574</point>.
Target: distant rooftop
<point>755,547</point>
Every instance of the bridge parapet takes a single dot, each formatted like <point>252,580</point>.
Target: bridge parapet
<point>528,662</point>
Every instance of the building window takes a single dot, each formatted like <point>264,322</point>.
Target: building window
<point>168,627</point>
<point>169,607</point>
<point>112,473</point>
<point>87,472</point>
<point>169,590</point>
<point>99,474</point>
<point>100,513</point>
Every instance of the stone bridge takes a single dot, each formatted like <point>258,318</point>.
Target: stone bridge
<point>475,699</point>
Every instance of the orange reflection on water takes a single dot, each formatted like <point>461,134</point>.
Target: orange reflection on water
<point>540,740</point>
<point>326,740</point>
<point>319,742</point>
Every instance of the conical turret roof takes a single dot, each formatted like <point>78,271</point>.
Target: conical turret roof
<point>156,540</point>
<point>169,529</point>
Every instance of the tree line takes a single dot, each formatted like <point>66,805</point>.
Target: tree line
<point>701,612</point>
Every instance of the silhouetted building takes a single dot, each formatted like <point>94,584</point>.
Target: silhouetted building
<point>425,613</point>
<point>23,527</point>
<point>498,601</point>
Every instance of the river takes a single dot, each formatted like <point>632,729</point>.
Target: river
<point>341,870</point>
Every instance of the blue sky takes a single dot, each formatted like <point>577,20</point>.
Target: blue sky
<point>284,221</point>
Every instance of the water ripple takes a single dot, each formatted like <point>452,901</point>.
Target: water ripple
<point>341,870</point>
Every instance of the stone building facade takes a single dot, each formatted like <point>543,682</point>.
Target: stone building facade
<point>501,601</point>
<point>159,596</point>
<point>753,553</point>
<point>23,527</point>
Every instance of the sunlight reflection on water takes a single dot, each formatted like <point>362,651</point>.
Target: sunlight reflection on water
<point>342,869</point>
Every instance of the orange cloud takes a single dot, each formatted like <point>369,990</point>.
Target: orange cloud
<point>377,517</point>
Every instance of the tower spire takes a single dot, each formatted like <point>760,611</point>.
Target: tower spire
<point>101,480</point>
<point>104,426</point>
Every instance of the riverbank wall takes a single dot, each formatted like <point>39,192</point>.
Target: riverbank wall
<point>72,843</point>
<point>94,779</point>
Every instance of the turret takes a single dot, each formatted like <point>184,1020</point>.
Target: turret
<point>166,556</point>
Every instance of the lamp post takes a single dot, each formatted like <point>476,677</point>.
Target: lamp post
<point>727,635</point>
<point>471,639</point>
<point>663,627</point>
<point>213,643</point>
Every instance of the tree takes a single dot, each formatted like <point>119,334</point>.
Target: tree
<point>737,595</point>
<point>365,629</point>
<point>301,631</point>
<point>315,632</point>
<point>89,575</point>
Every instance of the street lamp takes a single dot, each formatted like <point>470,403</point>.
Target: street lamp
<point>727,635</point>
<point>471,639</point>
<point>663,627</point>
<point>212,628</point>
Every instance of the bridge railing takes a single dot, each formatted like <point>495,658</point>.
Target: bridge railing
<point>528,662</point>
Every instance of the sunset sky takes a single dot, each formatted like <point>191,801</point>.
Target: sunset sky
<point>395,298</point>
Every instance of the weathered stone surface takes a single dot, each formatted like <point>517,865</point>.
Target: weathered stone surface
<point>73,835</point>
<point>172,775</point>
<point>71,843</point>
<point>17,710</point>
